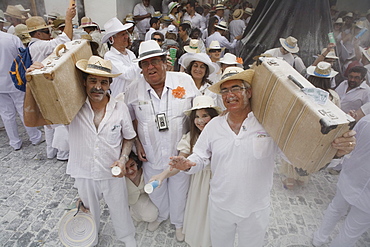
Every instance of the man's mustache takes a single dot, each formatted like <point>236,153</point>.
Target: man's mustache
<point>94,90</point>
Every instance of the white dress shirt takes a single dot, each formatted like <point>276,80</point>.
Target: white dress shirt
<point>93,151</point>
<point>122,63</point>
<point>196,20</point>
<point>354,98</point>
<point>9,45</point>
<point>242,165</point>
<point>224,42</point>
<point>144,104</point>
<point>41,49</point>
<point>144,24</point>
<point>236,28</point>
<point>354,179</point>
<point>148,35</point>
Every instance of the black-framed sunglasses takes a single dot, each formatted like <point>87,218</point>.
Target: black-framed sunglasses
<point>214,50</point>
<point>47,31</point>
<point>158,40</point>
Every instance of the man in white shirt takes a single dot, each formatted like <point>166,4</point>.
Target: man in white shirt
<point>354,92</point>
<point>288,47</point>
<point>157,102</point>
<point>100,138</point>
<point>218,35</point>
<point>11,99</point>
<point>220,11</point>
<point>41,46</point>
<point>155,24</point>
<point>14,16</point>
<point>236,27</point>
<point>242,162</point>
<point>142,14</point>
<point>193,17</point>
<point>121,57</point>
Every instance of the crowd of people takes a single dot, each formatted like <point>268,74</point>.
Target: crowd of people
<point>168,100</point>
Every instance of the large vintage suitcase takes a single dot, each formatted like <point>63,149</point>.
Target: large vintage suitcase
<point>302,128</point>
<point>58,87</point>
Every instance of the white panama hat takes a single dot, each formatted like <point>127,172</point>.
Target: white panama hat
<point>148,49</point>
<point>322,70</point>
<point>201,102</point>
<point>230,59</point>
<point>114,26</point>
<point>201,57</point>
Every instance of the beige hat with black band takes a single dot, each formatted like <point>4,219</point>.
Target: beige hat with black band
<point>96,66</point>
<point>35,23</point>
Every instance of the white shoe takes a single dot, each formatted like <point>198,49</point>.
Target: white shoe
<point>152,226</point>
<point>179,235</point>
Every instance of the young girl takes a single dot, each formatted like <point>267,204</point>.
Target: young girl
<point>196,224</point>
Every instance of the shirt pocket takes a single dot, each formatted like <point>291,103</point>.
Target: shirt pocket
<point>114,136</point>
<point>263,147</point>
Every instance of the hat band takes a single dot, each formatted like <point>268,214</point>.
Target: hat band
<point>228,75</point>
<point>318,74</point>
<point>94,66</point>
<point>290,46</point>
<point>87,23</point>
<point>193,47</point>
<point>149,53</point>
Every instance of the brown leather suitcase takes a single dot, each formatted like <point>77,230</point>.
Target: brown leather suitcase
<point>58,87</point>
<point>302,128</point>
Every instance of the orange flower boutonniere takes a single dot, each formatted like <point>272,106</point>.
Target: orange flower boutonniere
<point>239,60</point>
<point>178,92</point>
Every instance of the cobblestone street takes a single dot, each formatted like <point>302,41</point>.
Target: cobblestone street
<point>35,193</point>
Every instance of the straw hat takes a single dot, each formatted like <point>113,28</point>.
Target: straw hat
<point>22,9</point>
<point>349,14</point>
<point>114,26</point>
<point>201,57</point>
<point>365,52</point>
<point>166,18</point>
<point>193,46</point>
<point>290,44</point>
<point>331,54</point>
<point>233,73</point>
<point>21,31</point>
<point>220,6</point>
<point>222,25</point>
<point>59,22</point>
<point>248,11</point>
<point>87,22</point>
<point>339,21</point>
<point>52,15</point>
<point>148,49</point>
<point>35,23</point>
<point>157,14</point>
<point>96,66</point>
<point>215,45</point>
<point>201,102</point>
<point>2,18</point>
<point>172,5</point>
<point>13,11</point>
<point>360,24</point>
<point>230,59</point>
<point>322,70</point>
<point>238,13</point>
<point>79,230</point>
<point>207,6</point>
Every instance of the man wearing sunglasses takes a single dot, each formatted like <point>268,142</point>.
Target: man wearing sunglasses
<point>41,46</point>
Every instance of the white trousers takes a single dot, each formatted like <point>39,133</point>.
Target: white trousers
<point>170,198</point>
<point>10,104</point>
<point>144,209</point>
<point>114,192</point>
<point>355,224</point>
<point>224,225</point>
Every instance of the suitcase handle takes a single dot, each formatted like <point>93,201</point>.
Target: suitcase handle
<point>58,48</point>
<point>290,77</point>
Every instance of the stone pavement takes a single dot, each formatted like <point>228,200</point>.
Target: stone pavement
<point>35,193</point>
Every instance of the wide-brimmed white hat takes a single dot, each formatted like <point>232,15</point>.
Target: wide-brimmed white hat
<point>96,66</point>
<point>233,73</point>
<point>201,57</point>
<point>222,25</point>
<point>77,229</point>
<point>220,7</point>
<point>114,26</point>
<point>331,54</point>
<point>230,59</point>
<point>290,44</point>
<point>349,14</point>
<point>52,15</point>
<point>87,22</point>
<point>172,5</point>
<point>339,21</point>
<point>322,70</point>
<point>193,46</point>
<point>148,49</point>
<point>215,45</point>
<point>201,102</point>
<point>248,11</point>
<point>365,52</point>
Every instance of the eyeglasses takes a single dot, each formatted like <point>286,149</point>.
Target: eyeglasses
<point>154,62</point>
<point>213,50</point>
<point>159,40</point>
<point>234,90</point>
<point>47,31</point>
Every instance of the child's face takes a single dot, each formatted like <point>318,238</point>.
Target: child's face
<point>131,169</point>
<point>201,118</point>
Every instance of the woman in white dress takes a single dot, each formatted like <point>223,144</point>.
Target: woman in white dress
<point>196,223</point>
